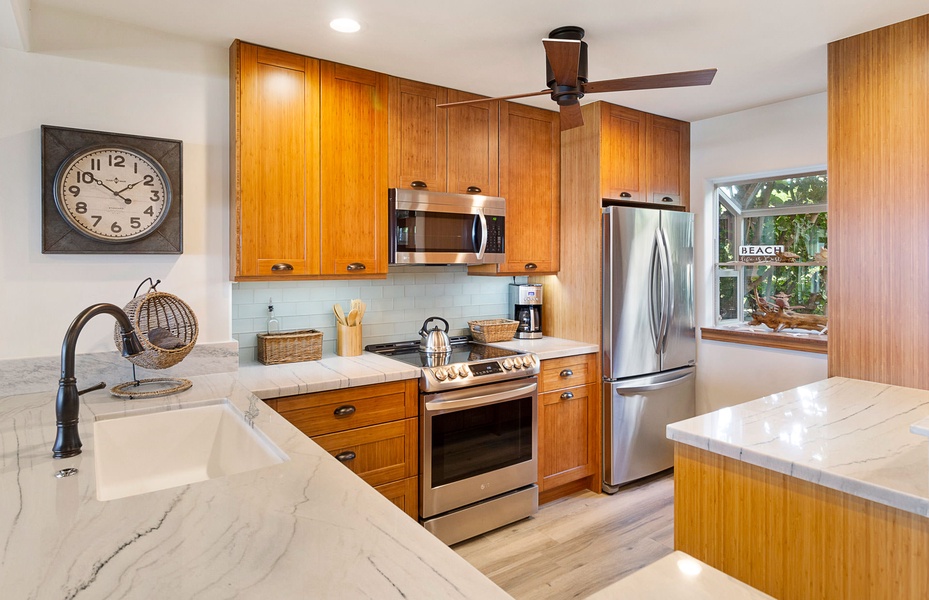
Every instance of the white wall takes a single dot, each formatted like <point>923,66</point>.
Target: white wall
<point>784,137</point>
<point>174,89</point>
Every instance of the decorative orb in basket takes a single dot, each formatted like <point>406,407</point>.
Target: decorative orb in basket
<point>165,325</point>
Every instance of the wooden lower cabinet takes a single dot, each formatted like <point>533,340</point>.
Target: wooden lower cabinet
<point>569,426</point>
<point>373,430</point>
<point>403,493</point>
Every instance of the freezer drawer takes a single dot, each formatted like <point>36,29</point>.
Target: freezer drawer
<point>636,412</point>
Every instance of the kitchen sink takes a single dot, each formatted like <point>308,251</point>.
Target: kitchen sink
<point>143,453</point>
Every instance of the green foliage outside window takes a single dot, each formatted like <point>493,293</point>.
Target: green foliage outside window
<point>791,212</point>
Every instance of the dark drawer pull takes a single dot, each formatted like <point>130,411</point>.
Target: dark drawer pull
<point>567,373</point>
<point>531,266</point>
<point>473,189</point>
<point>625,195</point>
<point>355,267</point>
<point>345,456</point>
<point>418,184</point>
<point>567,395</point>
<point>667,199</point>
<point>344,411</point>
<point>282,267</point>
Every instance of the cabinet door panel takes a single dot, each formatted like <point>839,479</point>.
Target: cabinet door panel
<point>530,154</point>
<point>404,494</point>
<point>668,164</point>
<point>380,453</point>
<point>623,151</point>
<point>353,171</point>
<point>568,437</point>
<point>473,151</point>
<point>417,135</point>
<point>276,202</point>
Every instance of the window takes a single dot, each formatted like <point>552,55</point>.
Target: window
<point>789,212</point>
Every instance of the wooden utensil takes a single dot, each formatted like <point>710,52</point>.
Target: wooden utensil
<point>361,311</point>
<point>339,314</point>
<point>352,318</point>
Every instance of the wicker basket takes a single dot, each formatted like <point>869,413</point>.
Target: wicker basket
<point>493,330</point>
<point>290,346</point>
<point>158,309</point>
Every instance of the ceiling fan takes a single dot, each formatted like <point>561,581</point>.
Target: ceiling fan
<point>566,77</point>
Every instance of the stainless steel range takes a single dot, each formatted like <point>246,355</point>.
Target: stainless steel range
<point>478,435</point>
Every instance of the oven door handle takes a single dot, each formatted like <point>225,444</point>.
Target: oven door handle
<point>460,399</point>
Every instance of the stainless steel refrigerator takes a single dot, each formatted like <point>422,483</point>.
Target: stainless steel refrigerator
<point>649,348</point>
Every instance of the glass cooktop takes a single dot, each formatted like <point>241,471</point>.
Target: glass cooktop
<point>463,351</point>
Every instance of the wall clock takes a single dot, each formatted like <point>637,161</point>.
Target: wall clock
<point>110,193</point>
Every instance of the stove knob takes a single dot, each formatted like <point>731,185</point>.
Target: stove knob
<point>452,373</point>
<point>439,373</point>
<point>527,361</point>
<point>507,364</point>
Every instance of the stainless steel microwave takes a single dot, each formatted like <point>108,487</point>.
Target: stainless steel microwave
<point>432,228</point>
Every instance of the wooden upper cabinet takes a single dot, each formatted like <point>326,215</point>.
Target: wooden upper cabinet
<point>353,171</point>
<point>308,167</point>
<point>274,164</point>
<point>667,161</point>
<point>622,153</point>
<point>530,159</point>
<point>473,148</point>
<point>418,135</point>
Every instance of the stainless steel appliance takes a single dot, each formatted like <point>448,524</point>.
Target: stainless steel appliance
<point>649,348</point>
<point>428,228</point>
<point>478,436</point>
<point>526,299</point>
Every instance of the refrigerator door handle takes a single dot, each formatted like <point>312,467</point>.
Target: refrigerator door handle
<point>654,386</point>
<point>656,294</point>
<point>668,280</point>
<point>665,291</point>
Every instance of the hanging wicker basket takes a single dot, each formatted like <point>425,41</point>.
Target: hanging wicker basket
<point>160,318</point>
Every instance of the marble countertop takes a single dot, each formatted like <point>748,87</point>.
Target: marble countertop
<point>334,372</point>
<point>679,576</point>
<point>305,528</point>
<point>845,434</point>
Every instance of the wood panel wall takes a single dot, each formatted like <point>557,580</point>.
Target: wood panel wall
<point>879,205</point>
<point>794,539</point>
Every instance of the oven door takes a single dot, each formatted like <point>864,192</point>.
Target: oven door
<point>477,443</point>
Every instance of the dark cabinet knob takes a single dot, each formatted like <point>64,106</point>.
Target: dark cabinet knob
<point>344,411</point>
<point>567,395</point>
<point>567,373</point>
<point>667,199</point>
<point>420,185</point>
<point>625,195</point>
<point>473,189</point>
<point>531,266</point>
<point>345,456</point>
<point>282,267</point>
<point>356,266</point>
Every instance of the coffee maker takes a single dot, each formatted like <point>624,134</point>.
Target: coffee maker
<point>526,299</point>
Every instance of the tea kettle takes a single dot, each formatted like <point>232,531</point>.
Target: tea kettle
<point>434,340</point>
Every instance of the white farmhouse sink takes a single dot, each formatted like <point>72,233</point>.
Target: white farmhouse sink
<point>155,451</point>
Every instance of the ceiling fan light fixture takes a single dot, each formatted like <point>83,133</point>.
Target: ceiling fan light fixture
<point>345,25</point>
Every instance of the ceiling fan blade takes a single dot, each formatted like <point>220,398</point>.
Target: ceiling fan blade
<point>527,95</point>
<point>564,57</point>
<point>648,82</point>
<point>571,116</point>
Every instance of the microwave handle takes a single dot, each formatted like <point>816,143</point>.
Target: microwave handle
<point>484,234</point>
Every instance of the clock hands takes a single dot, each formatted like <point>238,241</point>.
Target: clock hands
<point>129,187</point>
<point>115,193</point>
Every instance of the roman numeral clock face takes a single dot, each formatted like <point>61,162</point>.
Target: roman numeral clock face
<point>112,194</point>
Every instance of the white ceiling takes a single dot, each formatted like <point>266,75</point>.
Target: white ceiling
<point>766,51</point>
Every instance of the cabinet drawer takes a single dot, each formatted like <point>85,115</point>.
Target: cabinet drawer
<point>403,493</point>
<point>341,410</point>
<point>559,373</point>
<point>378,454</point>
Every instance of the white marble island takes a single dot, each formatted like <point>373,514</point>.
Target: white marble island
<point>817,492</point>
<point>306,528</point>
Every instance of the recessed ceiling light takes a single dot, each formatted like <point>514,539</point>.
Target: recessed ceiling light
<point>345,25</point>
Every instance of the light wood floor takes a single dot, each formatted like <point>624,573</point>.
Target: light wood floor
<point>579,544</point>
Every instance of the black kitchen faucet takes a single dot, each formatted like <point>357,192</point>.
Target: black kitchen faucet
<point>67,405</point>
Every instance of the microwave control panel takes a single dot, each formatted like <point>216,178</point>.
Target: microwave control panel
<point>495,227</point>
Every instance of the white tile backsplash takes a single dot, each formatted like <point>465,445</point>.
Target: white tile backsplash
<point>396,306</point>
